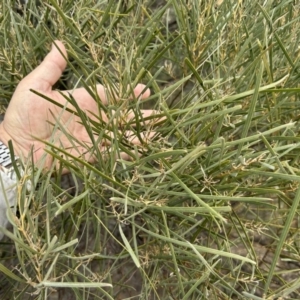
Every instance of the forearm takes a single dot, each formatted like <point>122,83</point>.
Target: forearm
<point>8,185</point>
<point>8,195</point>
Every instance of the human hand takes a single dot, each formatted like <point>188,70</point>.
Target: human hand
<point>30,119</point>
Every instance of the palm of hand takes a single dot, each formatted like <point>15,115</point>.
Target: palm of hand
<point>29,121</point>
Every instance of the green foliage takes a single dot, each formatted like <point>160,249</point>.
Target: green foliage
<point>209,210</point>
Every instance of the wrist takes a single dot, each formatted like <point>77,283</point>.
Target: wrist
<point>6,159</point>
<point>25,150</point>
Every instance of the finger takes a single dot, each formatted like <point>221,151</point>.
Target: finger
<point>122,155</point>
<point>49,71</point>
<point>144,138</point>
<point>130,136</point>
<point>85,152</point>
<point>141,92</point>
<point>146,117</point>
<point>85,98</point>
<point>114,93</point>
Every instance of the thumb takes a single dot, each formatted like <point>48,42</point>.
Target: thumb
<point>49,71</point>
